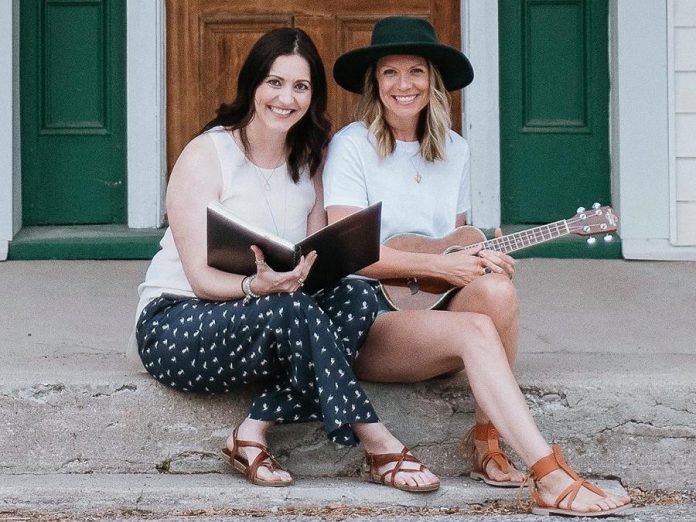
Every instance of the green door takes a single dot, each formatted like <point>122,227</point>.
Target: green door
<point>554,99</point>
<point>72,64</point>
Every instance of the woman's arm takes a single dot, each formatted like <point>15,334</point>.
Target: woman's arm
<point>196,180</point>
<point>317,216</point>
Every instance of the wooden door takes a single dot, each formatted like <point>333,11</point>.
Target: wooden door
<point>207,41</point>
<point>72,84</point>
<point>554,102</point>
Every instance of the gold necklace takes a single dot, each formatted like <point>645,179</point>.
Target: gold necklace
<point>267,188</point>
<point>266,179</point>
<point>418,176</point>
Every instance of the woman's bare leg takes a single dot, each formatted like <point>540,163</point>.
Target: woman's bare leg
<point>412,346</point>
<point>495,296</point>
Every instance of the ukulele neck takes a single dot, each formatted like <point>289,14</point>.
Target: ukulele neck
<point>525,238</point>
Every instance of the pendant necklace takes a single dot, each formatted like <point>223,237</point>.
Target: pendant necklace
<point>266,179</point>
<point>266,185</point>
<point>418,178</point>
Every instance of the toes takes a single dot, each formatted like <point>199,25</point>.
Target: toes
<point>420,479</point>
<point>284,476</point>
<point>432,478</point>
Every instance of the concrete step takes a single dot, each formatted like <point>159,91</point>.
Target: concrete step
<point>628,419</point>
<point>607,365</point>
<point>144,494</point>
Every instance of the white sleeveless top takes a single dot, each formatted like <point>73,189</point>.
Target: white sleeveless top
<point>282,210</point>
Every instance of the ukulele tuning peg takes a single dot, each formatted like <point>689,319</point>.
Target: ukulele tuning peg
<point>591,240</point>
<point>608,238</point>
<point>580,209</point>
<point>596,206</point>
<point>587,229</point>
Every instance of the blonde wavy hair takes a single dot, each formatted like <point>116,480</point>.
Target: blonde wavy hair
<point>433,123</point>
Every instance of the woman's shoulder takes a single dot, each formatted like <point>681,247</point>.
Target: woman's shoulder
<point>356,129</point>
<point>456,141</point>
<point>198,157</point>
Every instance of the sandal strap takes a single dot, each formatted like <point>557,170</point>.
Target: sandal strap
<point>264,459</point>
<point>375,461</point>
<point>555,461</point>
<point>551,462</point>
<point>487,433</point>
<point>499,458</point>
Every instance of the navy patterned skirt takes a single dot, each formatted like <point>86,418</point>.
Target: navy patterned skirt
<point>302,347</point>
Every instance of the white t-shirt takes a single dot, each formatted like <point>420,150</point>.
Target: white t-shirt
<point>355,176</point>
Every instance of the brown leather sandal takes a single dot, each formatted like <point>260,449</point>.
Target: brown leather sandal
<point>264,459</point>
<point>376,461</point>
<point>555,461</point>
<point>487,433</point>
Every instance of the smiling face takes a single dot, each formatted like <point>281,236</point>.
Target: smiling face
<point>404,86</point>
<point>284,96</point>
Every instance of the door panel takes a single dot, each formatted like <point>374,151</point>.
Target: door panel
<point>554,98</point>
<point>207,40</point>
<point>72,112</point>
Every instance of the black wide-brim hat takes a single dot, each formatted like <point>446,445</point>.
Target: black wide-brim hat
<point>403,35</point>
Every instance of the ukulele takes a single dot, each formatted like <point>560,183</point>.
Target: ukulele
<point>432,293</point>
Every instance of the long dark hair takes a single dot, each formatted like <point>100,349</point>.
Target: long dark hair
<point>308,137</point>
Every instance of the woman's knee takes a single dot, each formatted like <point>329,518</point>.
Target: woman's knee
<point>479,334</point>
<point>499,295</point>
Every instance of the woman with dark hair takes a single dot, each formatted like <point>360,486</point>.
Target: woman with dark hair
<point>202,330</point>
<point>403,153</point>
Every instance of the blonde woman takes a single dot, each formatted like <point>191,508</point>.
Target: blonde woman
<point>402,152</point>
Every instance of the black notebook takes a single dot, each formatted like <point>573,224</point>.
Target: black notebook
<point>344,247</point>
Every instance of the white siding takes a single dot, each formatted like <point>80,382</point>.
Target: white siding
<point>683,121</point>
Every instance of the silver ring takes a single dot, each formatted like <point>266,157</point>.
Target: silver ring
<point>259,263</point>
<point>300,281</point>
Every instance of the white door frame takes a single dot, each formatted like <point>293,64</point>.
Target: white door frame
<point>480,111</point>
<point>10,187</point>
<point>146,87</point>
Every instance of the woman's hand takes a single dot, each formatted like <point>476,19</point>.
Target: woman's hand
<point>268,281</point>
<point>462,267</point>
<point>497,262</point>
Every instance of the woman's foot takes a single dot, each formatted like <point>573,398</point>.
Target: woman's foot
<point>251,430</point>
<point>586,501</point>
<point>559,490</point>
<point>411,474</point>
<point>513,476</point>
<point>490,463</point>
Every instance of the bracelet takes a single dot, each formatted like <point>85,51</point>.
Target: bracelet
<point>249,294</point>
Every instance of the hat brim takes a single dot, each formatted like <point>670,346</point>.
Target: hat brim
<point>455,68</point>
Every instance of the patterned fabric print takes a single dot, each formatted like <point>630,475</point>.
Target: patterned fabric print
<point>301,346</point>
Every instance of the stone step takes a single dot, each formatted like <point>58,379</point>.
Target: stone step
<point>607,364</point>
<point>146,494</point>
<point>631,419</point>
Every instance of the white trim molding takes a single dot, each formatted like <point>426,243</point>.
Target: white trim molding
<point>640,123</point>
<point>481,117</point>
<point>146,112</point>
<point>10,185</point>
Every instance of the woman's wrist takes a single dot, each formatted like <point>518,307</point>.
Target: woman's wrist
<point>247,289</point>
